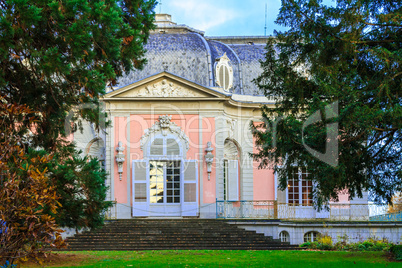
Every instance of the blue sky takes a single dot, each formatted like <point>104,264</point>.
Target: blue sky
<point>224,17</point>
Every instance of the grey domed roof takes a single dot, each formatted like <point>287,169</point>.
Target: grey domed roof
<point>250,56</point>
<point>185,52</point>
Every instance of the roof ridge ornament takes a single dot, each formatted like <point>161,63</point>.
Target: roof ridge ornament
<point>223,58</point>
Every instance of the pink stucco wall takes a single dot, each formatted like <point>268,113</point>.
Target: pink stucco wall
<point>120,134</point>
<point>188,123</point>
<point>138,124</point>
<point>343,197</point>
<point>70,137</point>
<point>263,180</point>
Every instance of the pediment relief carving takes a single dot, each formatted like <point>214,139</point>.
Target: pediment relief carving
<point>162,89</point>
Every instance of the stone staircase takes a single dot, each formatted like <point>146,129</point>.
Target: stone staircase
<point>160,234</point>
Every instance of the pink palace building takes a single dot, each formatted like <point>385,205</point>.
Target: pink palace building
<point>179,143</point>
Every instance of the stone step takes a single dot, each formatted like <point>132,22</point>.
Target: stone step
<point>169,230</point>
<point>173,237</point>
<point>147,233</point>
<point>172,240</point>
<point>176,233</point>
<point>181,246</point>
<point>152,234</point>
<point>209,238</point>
<point>168,240</point>
<point>176,243</point>
<point>200,228</point>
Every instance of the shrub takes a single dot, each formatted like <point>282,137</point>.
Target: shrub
<point>397,251</point>
<point>325,242</point>
<point>371,244</point>
<point>342,243</point>
<point>310,245</point>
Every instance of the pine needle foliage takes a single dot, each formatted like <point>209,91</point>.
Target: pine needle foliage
<point>347,56</point>
<point>55,56</point>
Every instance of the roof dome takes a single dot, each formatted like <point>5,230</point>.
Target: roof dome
<point>186,52</point>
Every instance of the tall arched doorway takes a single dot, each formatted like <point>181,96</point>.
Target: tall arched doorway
<point>165,183</point>
<point>96,149</point>
<point>231,171</point>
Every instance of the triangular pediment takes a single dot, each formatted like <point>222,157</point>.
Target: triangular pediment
<point>164,85</point>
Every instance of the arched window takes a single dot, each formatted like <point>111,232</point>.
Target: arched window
<point>96,149</point>
<point>284,236</point>
<point>311,236</point>
<point>230,171</point>
<point>167,146</point>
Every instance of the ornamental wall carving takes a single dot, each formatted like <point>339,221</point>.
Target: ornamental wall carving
<point>164,125</point>
<point>165,89</point>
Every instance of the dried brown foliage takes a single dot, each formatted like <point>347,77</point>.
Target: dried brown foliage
<point>26,197</point>
<point>396,204</point>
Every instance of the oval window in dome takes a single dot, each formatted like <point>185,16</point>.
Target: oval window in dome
<point>224,73</point>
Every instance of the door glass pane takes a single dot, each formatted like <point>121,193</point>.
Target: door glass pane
<point>156,181</point>
<point>299,183</point>
<point>164,181</point>
<point>307,187</point>
<point>172,182</point>
<point>293,187</point>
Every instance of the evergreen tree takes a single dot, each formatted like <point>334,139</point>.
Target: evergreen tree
<point>56,55</point>
<point>336,75</point>
<point>81,187</point>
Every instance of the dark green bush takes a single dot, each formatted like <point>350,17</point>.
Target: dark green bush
<point>397,251</point>
<point>310,245</point>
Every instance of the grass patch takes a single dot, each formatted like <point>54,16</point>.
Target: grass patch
<point>216,258</point>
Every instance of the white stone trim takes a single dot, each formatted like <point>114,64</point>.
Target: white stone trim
<point>163,125</point>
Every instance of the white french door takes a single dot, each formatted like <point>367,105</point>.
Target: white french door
<point>165,188</point>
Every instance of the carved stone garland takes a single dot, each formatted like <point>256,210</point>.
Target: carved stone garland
<point>164,125</point>
<point>165,89</point>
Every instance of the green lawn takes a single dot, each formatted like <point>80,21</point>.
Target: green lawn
<point>219,258</point>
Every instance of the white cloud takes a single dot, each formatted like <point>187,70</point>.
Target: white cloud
<point>199,14</point>
<point>224,17</point>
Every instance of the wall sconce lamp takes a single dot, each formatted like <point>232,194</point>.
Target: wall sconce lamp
<point>209,158</point>
<point>120,158</point>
